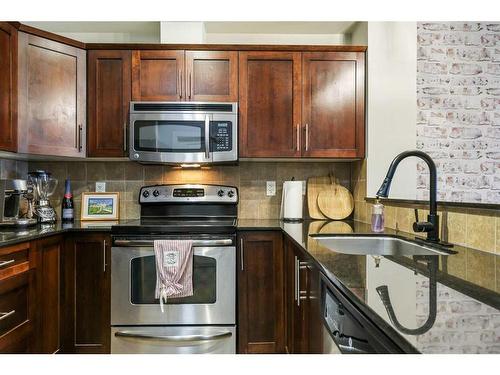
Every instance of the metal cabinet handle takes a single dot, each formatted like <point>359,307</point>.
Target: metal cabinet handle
<point>80,130</point>
<point>242,254</point>
<point>190,83</point>
<point>307,137</point>
<point>5,315</point>
<point>298,137</point>
<point>174,338</point>
<point>179,84</point>
<point>104,255</point>
<point>296,278</point>
<point>124,136</point>
<point>4,263</point>
<point>207,136</point>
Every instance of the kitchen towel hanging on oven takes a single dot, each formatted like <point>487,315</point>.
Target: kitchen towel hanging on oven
<point>174,269</point>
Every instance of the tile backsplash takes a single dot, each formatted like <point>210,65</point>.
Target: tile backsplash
<point>13,169</point>
<point>250,177</point>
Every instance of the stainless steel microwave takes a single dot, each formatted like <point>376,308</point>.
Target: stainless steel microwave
<point>183,132</point>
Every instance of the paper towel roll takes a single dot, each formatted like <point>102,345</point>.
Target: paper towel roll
<point>291,200</point>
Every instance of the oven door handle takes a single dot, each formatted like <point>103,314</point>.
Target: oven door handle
<point>150,243</point>
<point>183,338</point>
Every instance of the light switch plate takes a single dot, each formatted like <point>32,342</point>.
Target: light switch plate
<point>270,188</point>
<point>100,186</point>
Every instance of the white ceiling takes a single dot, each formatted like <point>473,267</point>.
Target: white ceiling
<point>277,27</point>
<point>97,27</point>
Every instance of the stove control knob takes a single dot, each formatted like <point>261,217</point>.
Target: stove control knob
<point>220,193</point>
<point>145,193</point>
<point>230,193</point>
<point>156,193</point>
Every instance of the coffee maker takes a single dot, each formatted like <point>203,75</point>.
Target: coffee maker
<point>12,195</point>
<point>44,186</point>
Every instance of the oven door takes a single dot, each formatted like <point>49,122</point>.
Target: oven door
<point>133,282</point>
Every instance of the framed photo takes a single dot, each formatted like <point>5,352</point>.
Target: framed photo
<point>100,206</point>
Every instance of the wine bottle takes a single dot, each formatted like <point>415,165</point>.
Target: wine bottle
<point>67,212</point>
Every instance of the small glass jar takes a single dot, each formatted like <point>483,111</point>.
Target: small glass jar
<point>378,217</point>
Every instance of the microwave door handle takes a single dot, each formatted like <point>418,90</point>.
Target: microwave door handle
<point>175,338</point>
<point>207,136</point>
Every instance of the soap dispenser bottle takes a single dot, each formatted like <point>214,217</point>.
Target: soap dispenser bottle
<point>378,217</point>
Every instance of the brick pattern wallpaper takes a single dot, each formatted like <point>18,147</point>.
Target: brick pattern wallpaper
<point>458,109</point>
<point>463,325</point>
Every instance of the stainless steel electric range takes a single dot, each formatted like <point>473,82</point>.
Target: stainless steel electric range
<point>202,323</point>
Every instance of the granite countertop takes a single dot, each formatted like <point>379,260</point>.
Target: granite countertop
<point>11,236</point>
<point>467,300</point>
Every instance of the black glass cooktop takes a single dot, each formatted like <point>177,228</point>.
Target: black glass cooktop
<point>176,225</point>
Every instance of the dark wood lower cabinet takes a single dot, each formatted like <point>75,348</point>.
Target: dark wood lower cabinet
<point>17,298</point>
<point>261,313</point>
<point>86,294</point>
<point>303,302</point>
<point>48,294</point>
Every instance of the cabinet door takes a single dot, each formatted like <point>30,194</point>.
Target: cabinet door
<point>333,104</point>
<point>270,104</point>
<point>261,315</point>
<point>314,314</point>
<point>109,93</point>
<point>48,294</point>
<point>296,300</point>
<point>52,97</point>
<point>8,87</point>
<point>158,75</point>
<point>212,76</point>
<point>87,294</point>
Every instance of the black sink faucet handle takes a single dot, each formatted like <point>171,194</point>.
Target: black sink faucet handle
<point>422,226</point>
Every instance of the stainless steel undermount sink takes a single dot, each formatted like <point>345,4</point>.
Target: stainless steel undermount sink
<point>376,245</point>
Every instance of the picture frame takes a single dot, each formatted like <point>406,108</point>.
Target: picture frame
<point>100,206</point>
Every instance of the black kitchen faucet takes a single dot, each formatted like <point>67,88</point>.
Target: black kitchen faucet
<point>431,226</point>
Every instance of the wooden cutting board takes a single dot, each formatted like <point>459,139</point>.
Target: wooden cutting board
<point>335,202</point>
<point>315,185</point>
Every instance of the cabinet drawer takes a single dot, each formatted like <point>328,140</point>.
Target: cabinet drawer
<point>14,260</point>
<point>14,293</point>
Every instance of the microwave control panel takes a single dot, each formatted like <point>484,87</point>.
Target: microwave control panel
<point>221,134</point>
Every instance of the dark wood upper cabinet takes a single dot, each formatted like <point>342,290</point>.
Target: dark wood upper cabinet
<point>52,97</point>
<point>109,94</point>
<point>158,75</point>
<point>212,76</point>
<point>8,87</point>
<point>333,104</point>
<point>270,109</point>
<point>261,314</point>
<point>86,294</point>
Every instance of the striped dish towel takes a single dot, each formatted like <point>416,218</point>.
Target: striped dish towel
<point>174,269</point>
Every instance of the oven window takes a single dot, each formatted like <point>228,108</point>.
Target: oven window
<point>143,282</point>
<point>169,136</point>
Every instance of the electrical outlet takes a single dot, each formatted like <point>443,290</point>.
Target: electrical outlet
<point>100,186</point>
<point>304,187</point>
<point>270,188</point>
